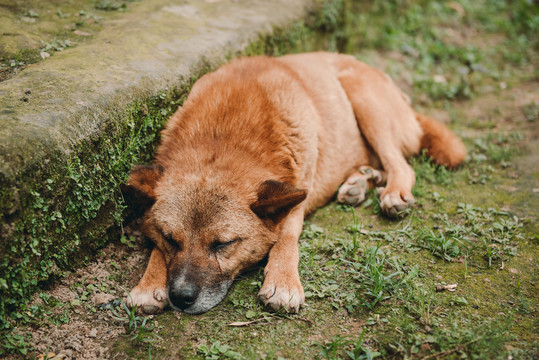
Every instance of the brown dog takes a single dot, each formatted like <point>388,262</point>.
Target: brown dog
<point>257,145</point>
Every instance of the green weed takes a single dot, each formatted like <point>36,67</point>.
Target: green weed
<point>137,327</point>
<point>218,351</point>
<point>109,5</point>
<point>347,348</point>
<point>448,247</point>
<point>55,45</point>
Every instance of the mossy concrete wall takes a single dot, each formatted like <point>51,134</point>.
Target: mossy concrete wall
<point>72,125</point>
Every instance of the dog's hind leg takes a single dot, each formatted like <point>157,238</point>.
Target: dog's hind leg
<point>150,294</point>
<point>388,124</point>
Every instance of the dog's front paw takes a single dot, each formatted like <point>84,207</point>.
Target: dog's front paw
<point>393,203</point>
<point>150,301</point>
<point>287,294</point>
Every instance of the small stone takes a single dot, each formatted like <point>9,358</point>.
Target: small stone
<point>28,19</point>
<point>440,79</point>
<point>102,298</point>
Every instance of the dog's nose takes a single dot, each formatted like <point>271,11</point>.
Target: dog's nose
<point>183,296</point>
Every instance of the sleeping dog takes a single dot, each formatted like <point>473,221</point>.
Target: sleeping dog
<point>257,145</point>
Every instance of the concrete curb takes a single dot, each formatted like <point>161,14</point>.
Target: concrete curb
<point>56,103</point>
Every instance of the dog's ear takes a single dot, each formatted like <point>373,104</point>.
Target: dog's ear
<point>142,181</point>
<point>276,198</point>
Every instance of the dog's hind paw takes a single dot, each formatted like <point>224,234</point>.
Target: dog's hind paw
<point>393,204</point>
<point>150,302</point>
<point>354,190</point>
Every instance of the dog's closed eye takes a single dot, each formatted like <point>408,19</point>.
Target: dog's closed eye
<point>219,245</point>
<point>170,241</point>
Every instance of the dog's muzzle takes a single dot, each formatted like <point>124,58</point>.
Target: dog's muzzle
<point>193,299</point>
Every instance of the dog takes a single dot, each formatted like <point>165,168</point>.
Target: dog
<point>257,145</point>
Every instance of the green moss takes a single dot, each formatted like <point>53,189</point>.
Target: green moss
<point>74,207</point>
<point>33,26</point>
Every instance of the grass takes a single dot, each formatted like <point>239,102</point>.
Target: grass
<point>377,288</point>
<point>371,282</point>
<point>138,329</point>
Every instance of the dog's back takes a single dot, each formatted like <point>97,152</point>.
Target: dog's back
<point>262,117</point>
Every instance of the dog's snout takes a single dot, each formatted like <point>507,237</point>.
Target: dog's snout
<point>184,296</point>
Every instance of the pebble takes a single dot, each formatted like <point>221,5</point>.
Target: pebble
<point>102,298</point>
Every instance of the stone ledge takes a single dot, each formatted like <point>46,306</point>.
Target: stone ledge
<point>56,103</point>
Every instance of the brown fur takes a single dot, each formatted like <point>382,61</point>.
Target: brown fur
<point>441,144</point>
<point>257,145</point>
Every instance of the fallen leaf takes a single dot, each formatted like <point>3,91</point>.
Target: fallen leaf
<point>81,33</point>
<point>449,287</point>
<point>48,355</point>
<point>245,323</point>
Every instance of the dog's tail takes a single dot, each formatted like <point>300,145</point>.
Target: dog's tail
<point>442,145</point>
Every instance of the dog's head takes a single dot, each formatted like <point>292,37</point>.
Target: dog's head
<point>208,231</point>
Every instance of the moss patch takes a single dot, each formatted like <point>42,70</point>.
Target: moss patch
<point>34,30</point>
